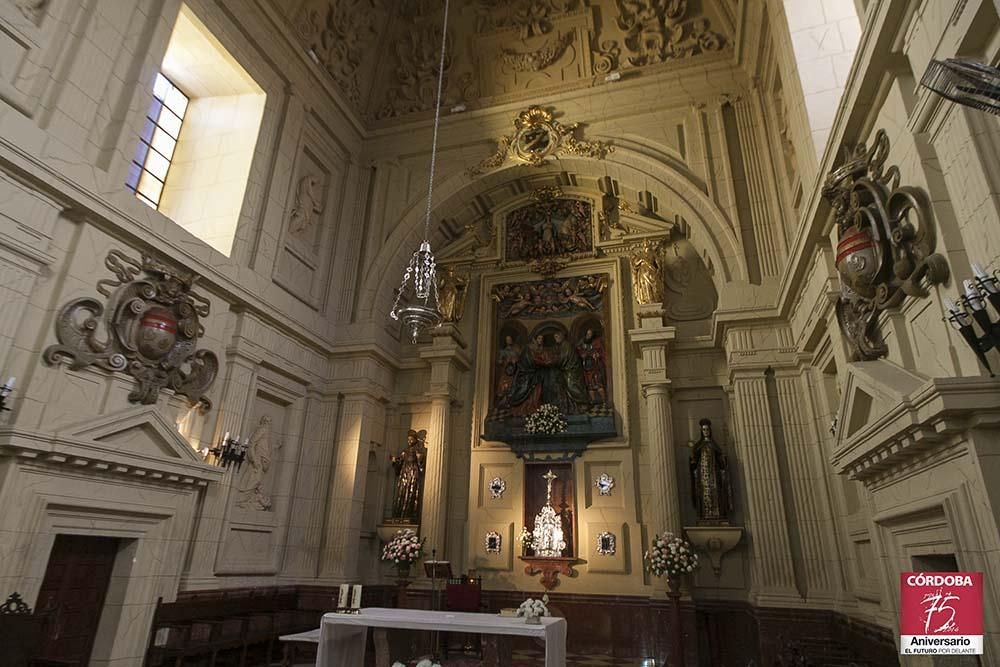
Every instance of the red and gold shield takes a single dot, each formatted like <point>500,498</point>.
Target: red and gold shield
<point>858,260</point>
<point>157,333</point>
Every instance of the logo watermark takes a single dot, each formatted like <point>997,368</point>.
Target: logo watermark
<point>941,613</point>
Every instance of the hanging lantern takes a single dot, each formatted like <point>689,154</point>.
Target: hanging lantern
<point>416,302</point>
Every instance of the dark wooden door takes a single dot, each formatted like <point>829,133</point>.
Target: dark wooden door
<point>72,595</point>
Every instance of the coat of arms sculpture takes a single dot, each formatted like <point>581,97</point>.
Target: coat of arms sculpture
<point>886,243</point>
<point>151,330</point>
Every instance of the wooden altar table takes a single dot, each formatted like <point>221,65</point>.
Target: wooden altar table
<point>342,636</point>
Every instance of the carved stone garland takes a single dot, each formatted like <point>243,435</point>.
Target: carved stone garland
<point>657,31</point>
<point>152,329</point>
<point>537,137</point>
<point>886,247</point>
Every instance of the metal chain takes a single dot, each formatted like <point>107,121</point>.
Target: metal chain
<point>437,122</point>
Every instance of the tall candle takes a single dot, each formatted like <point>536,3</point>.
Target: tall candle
<point>342,597</point>
<point>225,437</point>
<point>356,597</point>
<point>972,295</point>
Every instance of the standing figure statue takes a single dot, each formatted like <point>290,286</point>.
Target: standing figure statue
<point>711,488</point>
<point>647,274</point>
<point>452,289</point>
<point>409,465</point>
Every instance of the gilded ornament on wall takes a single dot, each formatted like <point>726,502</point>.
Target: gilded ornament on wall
<point>886,247</point>
<point>452,290</point>
<point>647,273</point>
<point>538,136</point>
<point>151,330</point>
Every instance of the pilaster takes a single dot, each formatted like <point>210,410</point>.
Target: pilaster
<point>652,339</point>
<point>448,360</point>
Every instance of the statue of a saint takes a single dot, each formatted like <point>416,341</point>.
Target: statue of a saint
<point>409,465</point>
<point>260,451</point>
<point>647,274</point>
<point>452,289</point>
<point>595,376</point>
<point>711,489</point>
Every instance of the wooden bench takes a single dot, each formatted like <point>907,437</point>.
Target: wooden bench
<point>238,628</point>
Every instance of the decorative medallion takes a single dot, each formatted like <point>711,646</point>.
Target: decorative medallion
<point>886,247</point>
<point>497,487</point>
<point>152,329</point>
<point>537,137</point>
<point>606,544</point>
<point>604,484</point>
<point>492,542</point>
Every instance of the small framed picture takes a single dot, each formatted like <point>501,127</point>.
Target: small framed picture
<point>606,544</point>
<point>492,542</point>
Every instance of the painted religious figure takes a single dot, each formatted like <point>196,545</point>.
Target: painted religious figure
<point>595,376</point>
<point>409,465</point>
<point>506,370</point>
<point>711,488</point>
<point>549,228</point>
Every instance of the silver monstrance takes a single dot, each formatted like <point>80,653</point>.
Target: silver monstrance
<point>547,538</point>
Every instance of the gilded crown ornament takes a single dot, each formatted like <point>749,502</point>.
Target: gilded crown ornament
<point>537,137</point>
<point>886,247</point>
<point>152,326</point>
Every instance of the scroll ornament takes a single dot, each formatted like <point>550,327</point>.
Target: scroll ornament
<point>151,325</point>
<point>886,246</point>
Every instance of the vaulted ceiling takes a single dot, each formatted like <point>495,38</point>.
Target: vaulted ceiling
<point>384,54</point>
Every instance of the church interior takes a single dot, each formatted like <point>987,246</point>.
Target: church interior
<point>501,332</point>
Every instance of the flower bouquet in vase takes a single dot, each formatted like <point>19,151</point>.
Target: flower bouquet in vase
<point>403,550</point>
<point>532,610</point>
<point>670,556</point>
<point>526,540</point>
<point>546,420</point>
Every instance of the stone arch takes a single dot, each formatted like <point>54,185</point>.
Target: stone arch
<point>711,231</point>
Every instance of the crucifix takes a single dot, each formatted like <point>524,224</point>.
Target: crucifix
<point>548,477</point>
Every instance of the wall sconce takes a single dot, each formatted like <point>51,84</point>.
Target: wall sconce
<point>229,451</point>
<point>973,301</point>
<point>5,391</point>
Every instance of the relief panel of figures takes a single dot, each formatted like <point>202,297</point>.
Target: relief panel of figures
<point>551,347</point>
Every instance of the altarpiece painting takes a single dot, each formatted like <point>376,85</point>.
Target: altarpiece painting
<point>549,228</point>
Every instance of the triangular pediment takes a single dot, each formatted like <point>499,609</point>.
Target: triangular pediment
<point>140,431</point>
<point>872,390</point>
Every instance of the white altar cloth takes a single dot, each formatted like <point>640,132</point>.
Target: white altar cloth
<point>342,636</point>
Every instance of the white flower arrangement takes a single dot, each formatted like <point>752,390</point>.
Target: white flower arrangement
<point>670,555</point>
<point>526,537</point>
<point>532,608</point>
<point>546,419</point>
<point>404,548</point>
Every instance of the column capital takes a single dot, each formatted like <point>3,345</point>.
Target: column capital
<point>658,388</point>
<point>448,358</point>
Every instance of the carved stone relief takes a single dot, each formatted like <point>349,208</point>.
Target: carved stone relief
<point>308,206</point>
<point>260,453</point>
<point>31,9</point>
<point>529,17</point>
<point>538,59</point>
<point>339,33</point>
<point>659,30</point>
<point>152,328</point>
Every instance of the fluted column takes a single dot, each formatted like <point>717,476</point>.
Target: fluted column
<point>652,340</point>
<point>448,359</point>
